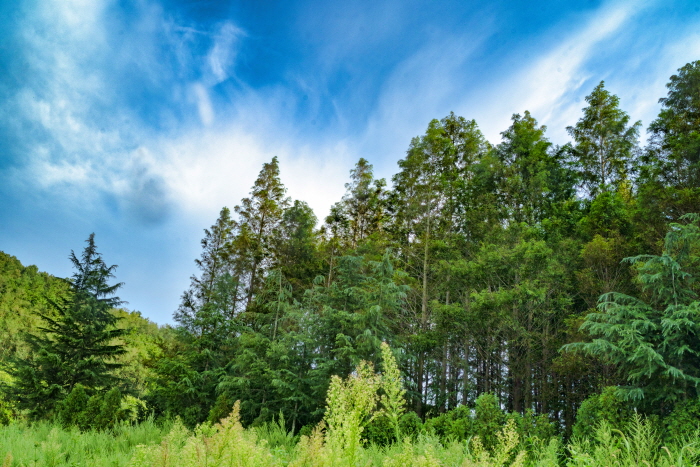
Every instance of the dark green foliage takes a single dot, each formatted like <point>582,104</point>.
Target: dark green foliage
<point>75,345</point>
<point>410,424</point>
<point>221,409</point>
<point>110,410</point>
<point>379,432</point>
<point>489,419</point>
<point>683,421</point>
<point>97,412</point>
<point>457,424</point>
<point>72,407</point>
<point>609,406</point>
<point>653,339</point>
<point>604,144</point>
<point>7,414</point>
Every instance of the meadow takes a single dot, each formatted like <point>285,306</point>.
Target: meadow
<point>227,443</point>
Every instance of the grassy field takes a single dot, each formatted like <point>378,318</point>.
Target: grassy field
<point>229,444</point>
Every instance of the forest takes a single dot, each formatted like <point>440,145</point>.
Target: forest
<point>519,303</point>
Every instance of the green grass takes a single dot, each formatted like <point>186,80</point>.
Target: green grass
<point>229,444</point>
<point>47,444</point>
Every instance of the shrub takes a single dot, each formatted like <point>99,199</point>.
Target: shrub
<point>410,424</point>
<point>607,406</point>
<point>489,419</point>
<point>71,408</point>
<point>683,421</point>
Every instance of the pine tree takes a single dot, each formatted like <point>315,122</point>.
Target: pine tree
<point>74,346</point>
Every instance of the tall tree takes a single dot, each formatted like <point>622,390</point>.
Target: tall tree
<point>259,219</point>
<point>76,345</point>
<point>215,261</point>
<point>604,143</point>
<point>674,148</point>
<point>439,169</point>
<point>296,254</point>
<point>532,176</point>
<point>669,181</point>
<point>362,209</point>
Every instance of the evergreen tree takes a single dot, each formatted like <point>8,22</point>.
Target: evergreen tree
<point>604,143</point>
<point>652,339</point>
<point>669,181</point>
<point>76,345</point>
<point>362,209</point>
<point>218,285</point>
<point>674,150</point>
<point>532,176</point>
<point>260,217</point>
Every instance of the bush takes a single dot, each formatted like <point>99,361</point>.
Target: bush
<point>683,421</point>
<point>379,431</point>
<point>411,425</point>
<point>71,408</point>
<point>456,425</point>
<point>99,412</point>
<point>607,406</point>
<point>532,428</point>
<point>7,413</point>
<point>489,419</point>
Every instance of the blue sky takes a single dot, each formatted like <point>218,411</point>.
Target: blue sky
<point>139,120</point>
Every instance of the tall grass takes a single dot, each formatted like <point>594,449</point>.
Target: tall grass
<point>46,444</point>
<point>229,444</point>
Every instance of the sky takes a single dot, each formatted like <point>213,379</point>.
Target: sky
<point>139,120</point>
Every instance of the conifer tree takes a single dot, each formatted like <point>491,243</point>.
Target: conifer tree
<point>76,344</point>
<point>218,283</point>
<point>652,338</point>
<point>604,142</point>
<point>260,216</point>
<point>360,213</point>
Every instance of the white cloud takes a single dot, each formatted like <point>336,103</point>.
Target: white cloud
<point>221,58</point>
<point>208,169</point>
<point>204,106</point>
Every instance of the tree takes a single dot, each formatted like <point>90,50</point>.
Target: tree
<point>76,345</point>
<point>604,141</point>
<point>532,177</point>
<point>652,339</point>
<point>260,216</point>
<point>361,211</point>
<point>669,180</point>
<point>674,149</point>
<point>215,262</point>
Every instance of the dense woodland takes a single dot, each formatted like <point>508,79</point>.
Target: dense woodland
<point>518,279</point>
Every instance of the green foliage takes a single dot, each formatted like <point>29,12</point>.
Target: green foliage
<point>653,340</point>
<point>607,407</point>
<point>76,344</point>
<point>25,294</point>
<point>223,444</point>
<point>43,444</point>
<point>604,143</point>
<point>682,422</point>
<point>7,414</point>
<point>638,443</point>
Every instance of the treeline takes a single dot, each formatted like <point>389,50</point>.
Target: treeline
<point>489,269</point>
